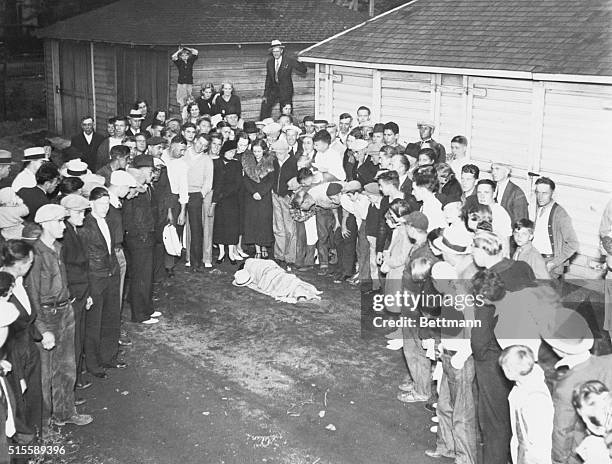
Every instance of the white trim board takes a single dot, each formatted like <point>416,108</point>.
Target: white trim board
<point>463,71</point>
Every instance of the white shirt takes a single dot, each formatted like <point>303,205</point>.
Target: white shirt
<point>358,207</point>
<point>277,64</point>
<point>178,176</point>
<point>104,229</point>
<point>500,189</point>
<point>402,179</point>
<point>541,239</point>
<point>20,293</point>
<point>502,224</point>
<point>113,142</point>
<point>25,179</point>
<point>432,208</point>
<point>331,161</point>
<point>88,137</point>
<point>457,165</point>
<point>115,201</point>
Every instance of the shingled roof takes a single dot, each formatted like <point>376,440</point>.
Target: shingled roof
<point>532,36</point>
<point>200,22</point>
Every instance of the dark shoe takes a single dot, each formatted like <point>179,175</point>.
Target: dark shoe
<point>115,365</point>
<point>232,261</point>
<point>79,401</point>
<point>83,385</point>
<point>430,407</point>
<point>125,342</point>
<point>219,261</point>
<point>100,375</point>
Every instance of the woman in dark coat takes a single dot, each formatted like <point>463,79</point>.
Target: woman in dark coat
<point>21,346</point>
<point>258,166</point>
<point>226,102</point>
<point>226,198</point>
<point>450,188</point>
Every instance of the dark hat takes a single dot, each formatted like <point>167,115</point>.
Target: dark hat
<point>71,153</point>
<point>6,157</point>
<point>378,128</point>
<point>155,141</point>
<point>333,189</point>
<point>568,332</point>
<point>308,119</point>
<point>228,145</point>
<point>417,220</point>
<point>412,150</point>
<point>321,121</point>
<point>143,161</point>
<point>250,127</point>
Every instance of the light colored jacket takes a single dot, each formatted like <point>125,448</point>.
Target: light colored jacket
<point>531,417</point>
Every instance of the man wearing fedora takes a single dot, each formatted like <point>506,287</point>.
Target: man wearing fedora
<point>87,142</point>
<point>32,160</point>
<point>426,129</point>
<point>135,119</point>
<point>6,161</point>
<point>279,84</point>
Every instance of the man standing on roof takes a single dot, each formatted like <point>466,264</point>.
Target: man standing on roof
<point>279,84</point>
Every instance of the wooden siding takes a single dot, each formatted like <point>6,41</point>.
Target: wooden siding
<point>245,67</point>
<point>105,85</point>
<point>50,85</point>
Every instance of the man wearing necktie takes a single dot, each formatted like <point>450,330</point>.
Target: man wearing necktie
<point>426,129</point>
<point>279,84</point>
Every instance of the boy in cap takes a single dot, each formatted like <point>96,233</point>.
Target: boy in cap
<point>76,261</point>
<point>184,58</point>
<point>47,286</point>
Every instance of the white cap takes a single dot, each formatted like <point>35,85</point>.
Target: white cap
<point>122,178</point>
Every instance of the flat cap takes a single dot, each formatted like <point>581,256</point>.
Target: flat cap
<point>74,202</point>
<point>50,212</point>
<point>417,220</point>
<point>155,141</point>
<point>333,188</point>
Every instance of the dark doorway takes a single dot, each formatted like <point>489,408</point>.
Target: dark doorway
<point>142,74</point>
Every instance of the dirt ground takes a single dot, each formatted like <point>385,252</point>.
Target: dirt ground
<point>231,376</point>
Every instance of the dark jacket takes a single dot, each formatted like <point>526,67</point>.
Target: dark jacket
<point>34,198</point>
<point>101,262</point>
<point>515,202</point>
<point>406,186</point>
<point>139,220</point>
<point>88,151</point>
<point>185,69</point>
<point>384,232</point>
<point>46,282</point>
<point>22,336</point>
<point>232,106</point>
<point>206,106</point>
<point>282,175</point>
<point>562,237</point>
<point>284,86</point>
<point>76,261</point>
<point>451,191</point>
<point>227,180</point>
<point>366,172</point>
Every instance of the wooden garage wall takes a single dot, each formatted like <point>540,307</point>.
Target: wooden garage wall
<point>105,85</point>
<point>558,130</point>
<point>51,48</point>
<point>245,67</point>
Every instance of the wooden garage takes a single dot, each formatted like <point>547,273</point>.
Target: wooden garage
<point>524,81</point>
<point>100,62</point>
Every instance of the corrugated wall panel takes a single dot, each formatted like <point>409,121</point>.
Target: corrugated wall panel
<point>451,119</point>
<point>106,85</point>
<point>351,88</point>
<point>501,116</point>
<point>405,98</point>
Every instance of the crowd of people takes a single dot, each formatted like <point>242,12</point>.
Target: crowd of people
<point>348,201</point>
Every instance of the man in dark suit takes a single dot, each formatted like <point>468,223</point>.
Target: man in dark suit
<point>47,180</point>
<point>87,142</point>
<point>279,85</point>
<point>508,194</point>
